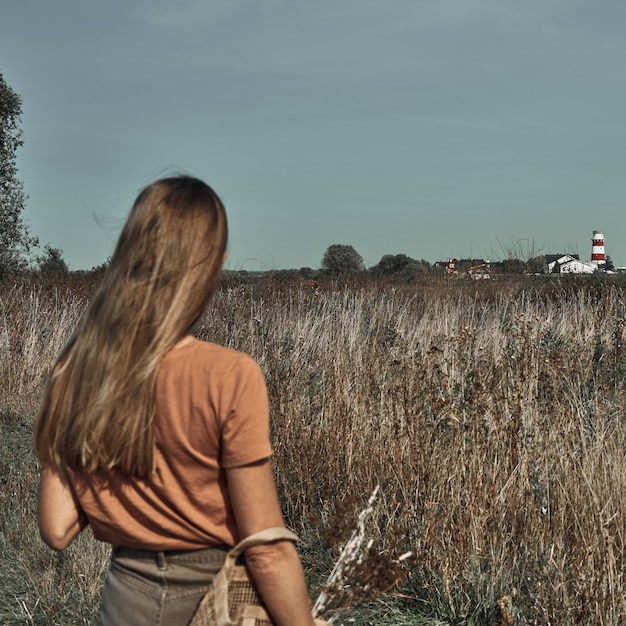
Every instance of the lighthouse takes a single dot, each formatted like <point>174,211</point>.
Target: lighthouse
<point>597,248</point>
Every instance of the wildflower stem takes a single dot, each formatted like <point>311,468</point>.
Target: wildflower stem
<point>351,554</point>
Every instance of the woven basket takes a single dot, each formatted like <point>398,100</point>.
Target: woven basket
<point>232,598</point>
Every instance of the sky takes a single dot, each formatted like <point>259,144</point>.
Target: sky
<point>432,128</point>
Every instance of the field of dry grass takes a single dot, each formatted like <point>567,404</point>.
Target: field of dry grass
<point>491,415</point>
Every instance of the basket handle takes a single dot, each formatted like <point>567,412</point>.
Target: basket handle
<point>268,535</point>
<point>220,582</point>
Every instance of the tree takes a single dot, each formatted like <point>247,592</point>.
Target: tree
<point>520,256</point>
<point>15,240</point>
<point>513,266</point>
<point>341,259</point>
<point>390,264</point>
<point>537,265</point>
<point>401,265</point>
<point>52,264</point>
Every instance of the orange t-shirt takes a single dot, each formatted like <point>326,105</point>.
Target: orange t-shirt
<point>212,413</point>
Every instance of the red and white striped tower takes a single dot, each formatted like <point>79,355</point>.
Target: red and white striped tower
<point>597,248</point>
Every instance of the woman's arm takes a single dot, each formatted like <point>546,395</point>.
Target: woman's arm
<point>59,513</point>
<point>275,567</point>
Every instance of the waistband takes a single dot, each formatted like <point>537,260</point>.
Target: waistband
<point>187,556</point>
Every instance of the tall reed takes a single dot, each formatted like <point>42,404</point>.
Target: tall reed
<point>492,416</point>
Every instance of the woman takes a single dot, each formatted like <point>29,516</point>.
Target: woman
<point>157,440</point>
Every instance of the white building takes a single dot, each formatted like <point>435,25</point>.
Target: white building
<point>567,264</point>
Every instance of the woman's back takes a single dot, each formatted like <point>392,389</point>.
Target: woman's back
<point>211,414</point>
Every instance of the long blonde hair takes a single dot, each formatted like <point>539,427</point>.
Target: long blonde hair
<point>98,408</point>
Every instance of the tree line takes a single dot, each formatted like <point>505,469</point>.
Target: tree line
<point>16,241</point>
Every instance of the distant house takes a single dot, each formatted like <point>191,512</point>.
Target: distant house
<point>569,264</point>
<point>550,258</point>
<point>449,266</point>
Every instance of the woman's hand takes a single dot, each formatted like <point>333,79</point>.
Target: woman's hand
<point>59,513</point>
<point>275,567</point>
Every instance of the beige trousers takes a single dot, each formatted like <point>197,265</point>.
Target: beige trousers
<point>145,588</point>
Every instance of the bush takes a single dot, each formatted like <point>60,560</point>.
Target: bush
<point>51,264</point>
<point>342,259</point>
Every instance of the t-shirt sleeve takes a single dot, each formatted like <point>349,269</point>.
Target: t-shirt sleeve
<point>245,429</point>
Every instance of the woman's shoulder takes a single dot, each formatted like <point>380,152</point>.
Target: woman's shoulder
<point>212,355</point>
